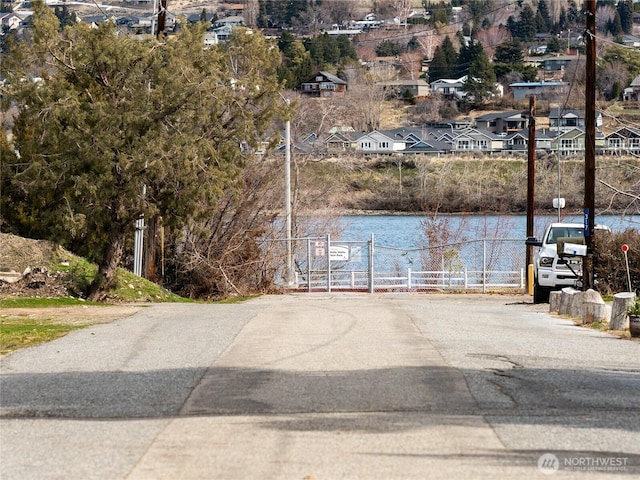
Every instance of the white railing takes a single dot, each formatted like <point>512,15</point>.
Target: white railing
<point>414,280</point>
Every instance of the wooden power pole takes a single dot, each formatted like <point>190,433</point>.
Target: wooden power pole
<point>531,174</point>
<point>590,143</point>
<point>162,18</point>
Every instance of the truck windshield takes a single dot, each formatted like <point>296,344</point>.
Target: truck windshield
<point>559,232</point>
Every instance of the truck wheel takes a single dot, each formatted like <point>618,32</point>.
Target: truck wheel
<point>540,294</point>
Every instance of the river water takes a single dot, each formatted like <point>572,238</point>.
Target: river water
<point>406,231</point>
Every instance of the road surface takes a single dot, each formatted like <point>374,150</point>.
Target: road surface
<point>325,386</point>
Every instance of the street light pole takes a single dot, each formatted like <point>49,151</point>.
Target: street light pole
<point>287,193</point>
<point>287,190</point>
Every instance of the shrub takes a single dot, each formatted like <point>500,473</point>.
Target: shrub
<point>609,263</point>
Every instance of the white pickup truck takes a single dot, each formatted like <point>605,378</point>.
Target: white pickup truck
<point>553,271</point>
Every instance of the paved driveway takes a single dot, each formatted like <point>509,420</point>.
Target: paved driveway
<point>325,387</point>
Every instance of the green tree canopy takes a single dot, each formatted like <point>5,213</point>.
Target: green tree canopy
<point>389,48</point>
<point>115,128</point>
<point>481,79</point>
<point>509,52</point>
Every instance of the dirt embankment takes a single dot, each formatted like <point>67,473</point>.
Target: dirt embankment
<point>18,254</point>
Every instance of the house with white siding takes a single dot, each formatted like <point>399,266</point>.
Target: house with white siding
<point>378,143</point>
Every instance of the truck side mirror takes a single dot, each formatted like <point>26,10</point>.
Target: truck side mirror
<point>533,242</point>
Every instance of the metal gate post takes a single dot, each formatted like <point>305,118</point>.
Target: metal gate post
<point>371,263</point>
<point>309,265</point>
<point>484,266</point>
<point>328,262</point>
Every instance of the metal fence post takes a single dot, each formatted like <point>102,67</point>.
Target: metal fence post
<point>371,264</point>
<point>328,262</point>
<point>484,266</point>
<point>309,260</point>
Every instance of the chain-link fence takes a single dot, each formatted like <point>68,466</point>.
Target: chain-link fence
<point>324,264</point>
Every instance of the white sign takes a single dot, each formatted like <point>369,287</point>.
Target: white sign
<point>558,203</point>
<point>338,253</point>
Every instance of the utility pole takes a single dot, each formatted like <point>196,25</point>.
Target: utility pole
<point>590,143</point>
<point>531,174</point>
<point>162,18</point>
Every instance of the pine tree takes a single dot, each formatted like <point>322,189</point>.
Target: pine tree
<point>481,79</point>
<point>625,11</point>
<point>510,52</point>
<point>573,14</point>
<point>438,68</point>
<point>543,10</point>
<point>450,55</point>
<point>527,24</point>
<point>171,124</point>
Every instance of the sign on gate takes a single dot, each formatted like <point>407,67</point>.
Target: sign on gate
<point>320,252</point>
<point>338,253</point>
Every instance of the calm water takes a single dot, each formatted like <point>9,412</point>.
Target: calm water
<point>405,231</point>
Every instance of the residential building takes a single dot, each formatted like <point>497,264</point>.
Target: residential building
<point>625,140</point>
<point>545,90</point>
<point>323,84</point>
<point>230,21</point>
<point>340,142</point>
<point>10,21</point>
<point>567,119</point>
<point>502,122</point>
<point>477,141</point>
<point>397,88</point>
<point>632,93</point>
<point>379,143</point>
<point>450,88</point>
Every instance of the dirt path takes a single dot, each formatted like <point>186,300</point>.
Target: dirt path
<point>80,314</point>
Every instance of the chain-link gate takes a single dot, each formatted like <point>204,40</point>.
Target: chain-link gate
<point>325,264</point>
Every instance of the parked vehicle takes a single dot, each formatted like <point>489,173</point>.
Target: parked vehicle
<point>553,271</point>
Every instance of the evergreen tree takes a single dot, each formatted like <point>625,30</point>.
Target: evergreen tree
<point>481,80</point>
<point>541,26</point>
<point>450,55</point>
<point>573,14</point>
<point>543,10</point>
<point>562,19</point>
<point>510,52</point>
<point>555,45</point>
<point>527,24</point>
<point>389,48</point>
<point>468,54</point>
<point>438,68</point>
<point>102,133</point>
<point>512,26</point>
<point>347,50</point>
<point>262,21</point>
<point>203,15</point>
<point>444,61</point>
<point>625,12</point>
<point>65,17</point>
<point>614,25</point>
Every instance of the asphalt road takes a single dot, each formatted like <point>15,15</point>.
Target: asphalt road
<point>325,386</point>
